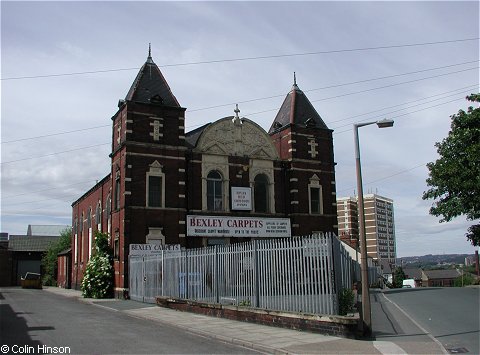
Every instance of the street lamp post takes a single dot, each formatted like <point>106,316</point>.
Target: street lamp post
<point>366,315</point>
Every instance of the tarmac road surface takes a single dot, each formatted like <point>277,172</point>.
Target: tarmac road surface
<point>451,315</point>
<point>36,322</point>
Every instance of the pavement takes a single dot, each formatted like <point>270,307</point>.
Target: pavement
<point>394,331</point>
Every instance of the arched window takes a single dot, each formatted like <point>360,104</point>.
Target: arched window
<point>214,191</point>
<point>108,207</point>
<point>116,195</point>
<point>108,211</point>
<point>89,218</point>
<point>261,193</point>
<point>98,215</point>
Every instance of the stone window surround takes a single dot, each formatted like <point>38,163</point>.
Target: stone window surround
<point>156,169</point>
<point>315,183</point>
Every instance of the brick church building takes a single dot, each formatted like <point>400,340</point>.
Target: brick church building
<point>225,182</point>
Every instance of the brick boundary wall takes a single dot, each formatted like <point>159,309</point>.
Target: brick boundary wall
<point>340,326</point>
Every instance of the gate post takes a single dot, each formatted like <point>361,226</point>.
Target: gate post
<point>163,273</point>
<point>186,274</point>
<point>215,275</point>
<point>257,281</point>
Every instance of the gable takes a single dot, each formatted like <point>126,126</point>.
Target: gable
<point>224,137</point>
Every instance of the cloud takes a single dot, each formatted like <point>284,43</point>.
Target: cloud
<point>115,35</point>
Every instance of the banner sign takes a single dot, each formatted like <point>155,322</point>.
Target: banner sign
<point>151,249</point>
<point>241,198</point>
<point>225,226</point>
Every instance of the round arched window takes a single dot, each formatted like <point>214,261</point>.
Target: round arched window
<point>214,191</point>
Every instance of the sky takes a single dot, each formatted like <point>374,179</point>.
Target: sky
<point>65,65</point>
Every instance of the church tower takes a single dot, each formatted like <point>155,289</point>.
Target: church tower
<point>148,152</point>
<point>305,144</point>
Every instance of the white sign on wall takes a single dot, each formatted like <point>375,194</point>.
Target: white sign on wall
<point>241,198</point>
<point>225,226</point>
<point>151,249</point>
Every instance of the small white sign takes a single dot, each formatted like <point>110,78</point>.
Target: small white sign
<point>151,249</point>
<point>241,198</point>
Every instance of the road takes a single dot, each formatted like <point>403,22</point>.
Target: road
<point>34,318</point>
<point>450,315</point>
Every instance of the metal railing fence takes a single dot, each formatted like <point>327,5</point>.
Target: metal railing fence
<point>300,274</point>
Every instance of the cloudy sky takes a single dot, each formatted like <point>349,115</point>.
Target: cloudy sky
<point>65,65</point>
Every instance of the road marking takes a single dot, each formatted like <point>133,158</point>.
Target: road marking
<point>418,325</point>
<point>387,347</point>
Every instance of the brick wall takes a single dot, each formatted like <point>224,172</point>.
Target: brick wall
<point>329,325</point>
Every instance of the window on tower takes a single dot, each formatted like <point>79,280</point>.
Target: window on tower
<point>116,202</point>
<point>155,193</point>
<point>315,196</point>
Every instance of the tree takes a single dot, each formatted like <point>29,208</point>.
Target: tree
<point>398,277</point>
<point>50,257</point>
<point>98,279</point>
<point>454,178</point>
<point>465,280</point>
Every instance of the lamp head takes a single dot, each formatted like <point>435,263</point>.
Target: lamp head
<point>385,123</point>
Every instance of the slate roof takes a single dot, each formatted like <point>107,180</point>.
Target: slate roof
<point>45,230</point>
<point>65,252</point>
<point>442,274</point>
<point>297,110</point>
<point>385,265</point>
<point>192,137</point>
<point>151,87</point>
<point>28,243</point>
<point>413,273</point>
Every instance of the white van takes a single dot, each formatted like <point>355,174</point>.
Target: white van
<point>408,283</point>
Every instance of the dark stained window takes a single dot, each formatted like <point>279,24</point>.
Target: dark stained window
<point>214,191</point>
<point>154,191</point>
<point>315,207</point>
<point>117,194</point>
<point>261,193</point>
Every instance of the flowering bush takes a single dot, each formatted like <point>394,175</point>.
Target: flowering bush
<point>98,278</point>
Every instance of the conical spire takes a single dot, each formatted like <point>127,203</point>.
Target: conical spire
<point>149,58</point>
<point>150,86</point>
<point>297,110</point>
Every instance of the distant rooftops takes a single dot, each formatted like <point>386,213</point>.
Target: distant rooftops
<point>46,230</point>
<point>30,243</point>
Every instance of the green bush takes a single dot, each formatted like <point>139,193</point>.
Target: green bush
<point>50,257</point>
<point>468,279</point>
<point>346,301</point>
<point>98,278</point>
<point>398,277</point>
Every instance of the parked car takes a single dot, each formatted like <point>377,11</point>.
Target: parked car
<point>31,280</point>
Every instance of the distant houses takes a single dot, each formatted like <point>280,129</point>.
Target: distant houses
<point>20,254</point>
<point>440,278</point>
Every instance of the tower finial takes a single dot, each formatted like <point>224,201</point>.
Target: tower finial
<point>294,79</point>
<point>149,59</point>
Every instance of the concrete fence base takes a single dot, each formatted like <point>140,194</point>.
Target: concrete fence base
<point>324,324</point>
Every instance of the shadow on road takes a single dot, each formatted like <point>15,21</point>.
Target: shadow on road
<point>14,329</point>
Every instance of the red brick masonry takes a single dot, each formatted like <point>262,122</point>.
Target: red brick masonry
<point>328,325</point>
